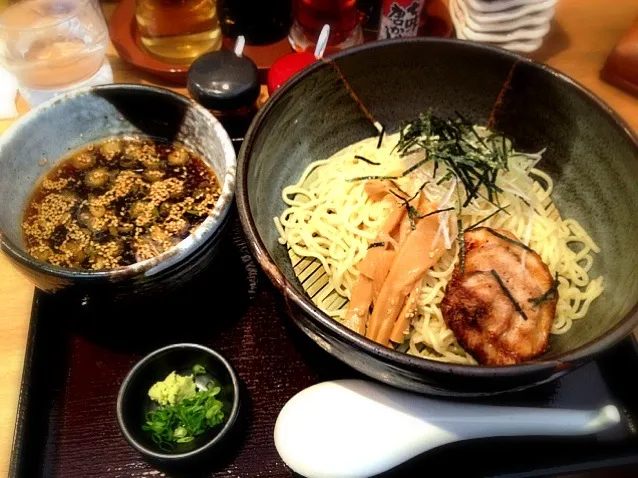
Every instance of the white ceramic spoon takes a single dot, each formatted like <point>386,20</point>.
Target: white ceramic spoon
<point>353,428</point>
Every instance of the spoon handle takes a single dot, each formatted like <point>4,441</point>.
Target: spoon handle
<point>467,420</point>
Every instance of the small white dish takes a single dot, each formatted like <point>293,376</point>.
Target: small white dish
<point>517,35</point>
<point>478,25</point>
<point>517,46</point>
<point>509,5</point>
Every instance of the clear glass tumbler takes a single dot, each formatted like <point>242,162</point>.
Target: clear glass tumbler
<point>53,44</point>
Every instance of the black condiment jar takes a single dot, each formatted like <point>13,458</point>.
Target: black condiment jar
<point>226,83</point>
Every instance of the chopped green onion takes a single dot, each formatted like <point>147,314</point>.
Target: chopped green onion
<point>187,419</point>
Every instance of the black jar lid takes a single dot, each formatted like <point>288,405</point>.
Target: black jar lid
<point>223,81</point>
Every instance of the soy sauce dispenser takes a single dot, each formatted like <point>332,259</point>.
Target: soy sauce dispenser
<point>227,83</point>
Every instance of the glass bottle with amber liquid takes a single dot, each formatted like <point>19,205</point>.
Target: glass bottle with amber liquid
<point>178,31</point>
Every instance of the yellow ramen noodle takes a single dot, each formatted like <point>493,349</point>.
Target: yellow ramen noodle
<point>330,219</point>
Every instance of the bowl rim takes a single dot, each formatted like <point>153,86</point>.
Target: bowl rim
<point>147,360</point>
<point>172,255</point>
<point>558,363</point>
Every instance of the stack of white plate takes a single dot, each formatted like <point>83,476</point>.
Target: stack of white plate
<point>517,25</point>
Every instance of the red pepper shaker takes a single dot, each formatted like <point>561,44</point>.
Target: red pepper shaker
<point>288,65</point>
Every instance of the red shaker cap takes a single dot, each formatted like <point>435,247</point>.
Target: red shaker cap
<point>287,66</point>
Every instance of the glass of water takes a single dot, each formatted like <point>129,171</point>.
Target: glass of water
<point>53,44</point>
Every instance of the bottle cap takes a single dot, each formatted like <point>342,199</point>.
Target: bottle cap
<point>288,65</point>
<point>224,80</point>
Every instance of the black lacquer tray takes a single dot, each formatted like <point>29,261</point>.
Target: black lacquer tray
<point>78,353</point>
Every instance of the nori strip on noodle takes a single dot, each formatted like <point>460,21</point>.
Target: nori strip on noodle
<point>418,191</point>
<point>376,244</point>
<point>500,209</point>
<point>409,199</point>
<point>446,177</point>
<point>471,194</point>
<point>381,135</point>
<point>396,185</point>
<point>509,295</point>
<point>415,166</point>
<point>435,212</point>
<point>549,295</point>
<point>356,156</point>
<point>412,212</point>
<point>511,241</point>
<point>398,196</point>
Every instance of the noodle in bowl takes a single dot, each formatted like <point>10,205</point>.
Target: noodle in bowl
<point>571,189</point>
<point>331,219</point>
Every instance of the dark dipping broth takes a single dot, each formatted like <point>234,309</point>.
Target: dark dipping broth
<point>118,202</point>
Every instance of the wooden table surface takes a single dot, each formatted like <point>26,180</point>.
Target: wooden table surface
<point>583,33</point>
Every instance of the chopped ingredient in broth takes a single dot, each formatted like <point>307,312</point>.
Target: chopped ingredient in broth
<point>118,202</point>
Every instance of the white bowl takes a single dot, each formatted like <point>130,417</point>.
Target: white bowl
<point>519,34</point>
<point>478,24</point>
<point>509,5</point>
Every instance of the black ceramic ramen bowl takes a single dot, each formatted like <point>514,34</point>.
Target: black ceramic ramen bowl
<point>133,402</point>
<point>591,154</point>
<point>34,144</point>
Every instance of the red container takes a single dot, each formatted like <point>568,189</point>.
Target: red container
<point>309,17</point>
<point>400,18</point>
<point>287,66</point>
